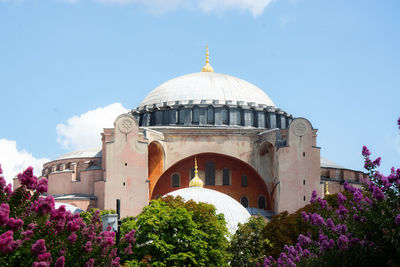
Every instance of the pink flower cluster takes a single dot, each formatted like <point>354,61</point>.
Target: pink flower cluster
<point>50,234</point>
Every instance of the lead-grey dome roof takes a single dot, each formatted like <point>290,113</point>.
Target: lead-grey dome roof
<point>207,86</point>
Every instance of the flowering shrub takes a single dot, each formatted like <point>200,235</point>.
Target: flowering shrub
<point>362,229</point>
<point>34,233</point>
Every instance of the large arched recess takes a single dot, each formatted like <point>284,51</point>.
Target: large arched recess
<point>156,164</point>
<point>255,186</point>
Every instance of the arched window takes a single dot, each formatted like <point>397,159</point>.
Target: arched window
<point>244,180</point>
<point>210,173</point>
<point>261,202</point>
<point>225,177</point>
<point>175,180</point>
<point>244,201</point>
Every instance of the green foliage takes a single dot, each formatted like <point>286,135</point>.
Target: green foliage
<point>176,233</point>
<point>87,215</point>
<point>247,243</point>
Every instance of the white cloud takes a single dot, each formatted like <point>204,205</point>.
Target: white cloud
<point>284,20</point>
<point>255,7</point>
<point>83,131</point>
<point>14,161</point>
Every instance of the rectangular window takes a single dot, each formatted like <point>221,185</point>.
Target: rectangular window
<point>210,173</point>
<point>225,176</point>
<point>244,180</point>
<point>175,180</point>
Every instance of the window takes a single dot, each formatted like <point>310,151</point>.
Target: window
<point>175,180</point>
<point>225,115</point>
<point>210,115</point>
<point>261,202</point>
<point>244,180</point>
<point>210,173</point>
<point>304,182</point>
<point>338,174</point>
<point>196,114</point>
<point>181,115</point>
<point>225,176</point>
<point>244,201</point>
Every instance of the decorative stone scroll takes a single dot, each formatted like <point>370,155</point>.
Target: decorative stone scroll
<point>126,125</point>
<point>300,128</point>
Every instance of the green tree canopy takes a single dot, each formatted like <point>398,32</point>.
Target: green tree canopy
<point>247,244</point>
<point>177,233</point>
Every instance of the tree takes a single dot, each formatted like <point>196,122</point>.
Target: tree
<point>171,232</point>
<point>246,246</point>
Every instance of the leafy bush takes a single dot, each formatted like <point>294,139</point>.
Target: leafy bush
<point>34,233</point>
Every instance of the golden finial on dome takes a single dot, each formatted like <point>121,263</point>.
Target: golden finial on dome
<point>207,67</point>
<point>326,189</point>
<point>196,181</point>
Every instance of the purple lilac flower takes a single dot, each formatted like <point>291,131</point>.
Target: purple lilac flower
<point>313,196</point>
<point>365,151</point>
<point>357,196</point>
<point>89,263</point>
<point>329,223</point>
<point>115,262</point>
<point>7,242</point>
<point>27,178</point>
<point>317,219</point>
<point>377,193</point>
<point>60,262</point>
<point>42,186</point>
<point>4,214</point>
<point>75,224</point>
<point>304,240</point>
<point>2,181</point>
<point>397,220</point>
<point>343,242</point>
<point>41,264</point>
<point>15,224</point>
<point>39,247</point>
<point>367,200</point>
<point>341,198</point>
<point>130,237</point>
<point>72,238</point>
<point>88,247</point>
<point>44,256</point>
<point>128,250</point>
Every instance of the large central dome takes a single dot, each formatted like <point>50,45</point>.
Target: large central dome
<point>203,86</point>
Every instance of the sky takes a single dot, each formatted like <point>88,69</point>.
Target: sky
<point>68,68</point>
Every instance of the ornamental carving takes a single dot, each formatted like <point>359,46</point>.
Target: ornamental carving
<point>300,128</point>
<point>126,125</point>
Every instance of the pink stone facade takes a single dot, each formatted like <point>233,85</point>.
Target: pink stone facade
<point>130,167</point>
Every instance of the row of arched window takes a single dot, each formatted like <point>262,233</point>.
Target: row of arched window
<point>260,202</point>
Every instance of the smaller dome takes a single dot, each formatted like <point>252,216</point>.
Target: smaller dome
<point>86,153</point>
<point>233,211</point>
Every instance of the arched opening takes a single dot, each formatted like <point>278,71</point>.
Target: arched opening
<point>156,164</point>
<point>228,178</point>
<point>244,201</point>
<point>261,202</point>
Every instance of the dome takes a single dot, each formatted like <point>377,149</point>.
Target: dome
<point>207,86</point>
<point>86,153</point>
<point>233,211</point>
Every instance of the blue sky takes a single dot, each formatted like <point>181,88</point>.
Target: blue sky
<point>68,67</point>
